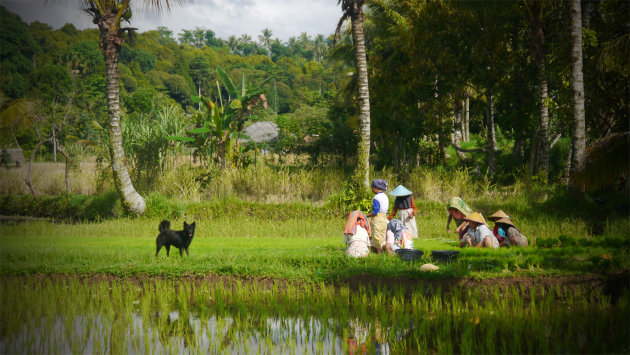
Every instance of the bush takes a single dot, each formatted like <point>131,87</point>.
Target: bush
<point>67,207</point>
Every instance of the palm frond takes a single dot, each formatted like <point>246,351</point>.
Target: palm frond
<point>17,114</point>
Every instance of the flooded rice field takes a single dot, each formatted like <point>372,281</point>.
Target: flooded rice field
<point>160,316</point>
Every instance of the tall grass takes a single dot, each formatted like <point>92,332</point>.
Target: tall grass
<point>260,183</point>
<point>48,178</point>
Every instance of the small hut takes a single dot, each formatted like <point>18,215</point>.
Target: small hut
<point>264,131</point>
<point>12,156</point>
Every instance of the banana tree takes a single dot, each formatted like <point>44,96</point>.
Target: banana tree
<point>217,129</point>
<point>243,100</point>
<point>222,125</point>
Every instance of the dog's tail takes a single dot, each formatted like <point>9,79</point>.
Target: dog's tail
<point>164,225</point>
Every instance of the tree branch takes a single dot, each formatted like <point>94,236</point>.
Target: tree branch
<point>555,140</point>
<point>464,150</point>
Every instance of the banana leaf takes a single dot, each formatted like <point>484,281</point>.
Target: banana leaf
<point>180,139</point>
<point>200,130</point>
<point>227,82</point>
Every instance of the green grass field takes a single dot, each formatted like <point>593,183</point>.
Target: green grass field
<point>308,250</point>
<point>275,279</point>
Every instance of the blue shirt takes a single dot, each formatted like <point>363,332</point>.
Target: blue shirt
<point>380,203</point>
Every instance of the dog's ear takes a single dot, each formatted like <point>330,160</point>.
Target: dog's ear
<point>185,224</point>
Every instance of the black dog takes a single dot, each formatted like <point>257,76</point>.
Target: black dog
<point>178,239</point>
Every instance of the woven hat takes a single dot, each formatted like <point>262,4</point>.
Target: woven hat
<point>498,215</point>
<point>476,217</point>
<point>400,191</point>
<point>504,221</point>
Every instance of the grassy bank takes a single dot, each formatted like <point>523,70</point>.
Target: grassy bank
<point>306,249</point>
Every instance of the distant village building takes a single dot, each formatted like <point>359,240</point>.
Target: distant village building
<point>264,131</point>
<point>12,157</point>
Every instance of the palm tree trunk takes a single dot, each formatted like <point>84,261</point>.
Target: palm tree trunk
<point>467,119</point>
<point>578,139</point>
<point>491,137</point>
<point>362,173</point>
<point>543,133</point>
<point>567,166</point>
<point>538,42</point>
<point>131,200</point>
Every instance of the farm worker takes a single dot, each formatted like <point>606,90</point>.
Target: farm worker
<point>513,237</point>
<point>356,235</point>
<point>380,205</point>
<point>406,208</point>
<point>498,232</point>
<point>457,210</point>
<point>478,235</point>
<point>398,237</point>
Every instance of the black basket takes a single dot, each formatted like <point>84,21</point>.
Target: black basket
<point>409,254</point>
<point>444,256</point>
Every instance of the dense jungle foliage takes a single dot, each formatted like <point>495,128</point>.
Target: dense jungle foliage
<point>441,74</point>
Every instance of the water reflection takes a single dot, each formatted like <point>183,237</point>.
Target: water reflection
<point>189,332</point>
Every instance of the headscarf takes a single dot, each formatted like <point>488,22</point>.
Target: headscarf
<point>356,218</point>
<point>459,204</point>
<point>380,184</point>
<point>396,227</point>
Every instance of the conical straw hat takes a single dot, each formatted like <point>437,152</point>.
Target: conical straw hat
<point>400,191</point>
<point>476,217</point>
<point>498,215</point>
<point>505,221</point>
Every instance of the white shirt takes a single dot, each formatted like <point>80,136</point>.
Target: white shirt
<point>380,203</point>
<point>480,233</point>
<point>360,236</point>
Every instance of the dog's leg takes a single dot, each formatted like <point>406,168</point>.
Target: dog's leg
<point>181,252</point>
<point>168,249</point>
<point>159,246</point>
<point>187,253</point>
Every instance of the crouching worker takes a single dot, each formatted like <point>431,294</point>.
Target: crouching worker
<point>498,232</point>
<point>457,210</point>
<point>513,237</point>
<point>398,237</point>
<point>356,235</point>
<point>478,235</point>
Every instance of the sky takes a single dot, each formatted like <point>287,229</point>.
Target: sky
<point>285,18</point>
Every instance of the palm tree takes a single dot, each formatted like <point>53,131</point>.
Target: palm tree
<point>265,39</point>
<point>319,45</point>
<point>108,15</point>
<point>291,44</point>
<point>245,38</point>
<point>352,9</point>
<point>232,42</point>
<point>578,139</point>
<point>15,116</point>
<point>535,11</point>
<point>305,40</point>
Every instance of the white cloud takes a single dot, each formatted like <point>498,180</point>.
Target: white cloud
<point>285,18</point>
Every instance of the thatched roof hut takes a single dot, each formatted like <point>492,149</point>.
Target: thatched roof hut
<point>264,131</point>
<point>15,154</point>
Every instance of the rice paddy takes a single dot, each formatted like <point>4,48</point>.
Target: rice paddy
<point>83,315</point>
<point>285,286</point>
